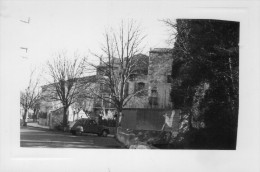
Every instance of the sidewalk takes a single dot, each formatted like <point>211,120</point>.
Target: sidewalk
<point>35,124</point>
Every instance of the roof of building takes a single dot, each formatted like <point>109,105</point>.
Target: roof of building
<point>135,57</point>
<point>91,78</point>
<point>161,50</point>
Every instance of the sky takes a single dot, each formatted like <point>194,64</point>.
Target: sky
<point>72,26</point>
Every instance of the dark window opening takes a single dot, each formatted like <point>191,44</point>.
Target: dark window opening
<point>132,77</point>
<point>140,89</point>
<point>154,92</point>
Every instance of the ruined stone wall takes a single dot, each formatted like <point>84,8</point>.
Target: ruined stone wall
<point>163,99</point>
<point>160,65</point>
<point>159,71</point>
<point>139,100</point>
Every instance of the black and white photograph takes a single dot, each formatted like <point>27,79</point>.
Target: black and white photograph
<point>185,97</point>
<point>112,81</point>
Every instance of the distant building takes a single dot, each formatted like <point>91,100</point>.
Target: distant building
<point>152,74</point>
<point>50,107</point>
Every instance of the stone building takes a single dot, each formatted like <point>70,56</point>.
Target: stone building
<point>159,77</point>
<point>151,81</point>
<point>156,82</point>
<point>50,107</point>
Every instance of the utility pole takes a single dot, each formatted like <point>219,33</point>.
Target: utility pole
<point>25,48</point>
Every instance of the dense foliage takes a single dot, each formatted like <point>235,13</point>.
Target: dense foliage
<point>205,81</point>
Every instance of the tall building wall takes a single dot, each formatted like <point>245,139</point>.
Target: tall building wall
<point>157,82</point>
<point>159,76</point>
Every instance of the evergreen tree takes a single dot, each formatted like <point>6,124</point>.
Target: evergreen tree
<point>205,74</point>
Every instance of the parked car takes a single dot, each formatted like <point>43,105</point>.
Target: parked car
<point>89,126</point>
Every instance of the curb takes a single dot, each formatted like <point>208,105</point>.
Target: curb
<point>38,127</point>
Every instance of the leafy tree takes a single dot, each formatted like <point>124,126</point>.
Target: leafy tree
<point>205,73</point>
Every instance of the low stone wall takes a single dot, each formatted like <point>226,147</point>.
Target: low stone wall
<point>148,119</point>
<point>127,138</point>
<point>146,138</point>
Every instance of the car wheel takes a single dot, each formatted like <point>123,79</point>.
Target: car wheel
<point>104,133</point>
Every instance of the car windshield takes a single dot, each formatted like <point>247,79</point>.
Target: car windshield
<point>80,121</point>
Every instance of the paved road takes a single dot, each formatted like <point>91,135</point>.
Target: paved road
<point>38,137</point>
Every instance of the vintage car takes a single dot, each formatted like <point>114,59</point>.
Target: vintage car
<point>89,126</point>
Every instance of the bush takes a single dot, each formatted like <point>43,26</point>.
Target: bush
<point>43,115</point>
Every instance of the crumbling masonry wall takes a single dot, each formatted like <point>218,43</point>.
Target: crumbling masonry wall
<point>159,72</point>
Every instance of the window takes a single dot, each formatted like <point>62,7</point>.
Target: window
<point>132,77</point>
<point>140,89</point>
<point>140,86</point>
<point>154,92</point>
<point>153,99</point>
<point>106,100</point>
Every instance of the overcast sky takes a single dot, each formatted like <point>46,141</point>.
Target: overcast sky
<point>72,26</point>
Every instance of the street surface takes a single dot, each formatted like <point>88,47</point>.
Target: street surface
<point>44,138</point>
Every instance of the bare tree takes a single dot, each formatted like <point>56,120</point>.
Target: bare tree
<point>120,61</point>
<point>172,30</point>
<point>36,108</point>
<point>30,96</point>
<point>68,83</point>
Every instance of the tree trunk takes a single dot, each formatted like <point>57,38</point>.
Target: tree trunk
<point>118,120</point>
<point>35,111</point>
<point>65,119</point>
<point>24,117</point>
<point>119,117</point>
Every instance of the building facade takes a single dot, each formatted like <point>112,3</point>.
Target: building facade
<point>156,82</point>
<point>52,110</point>
<point>150,82</point>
